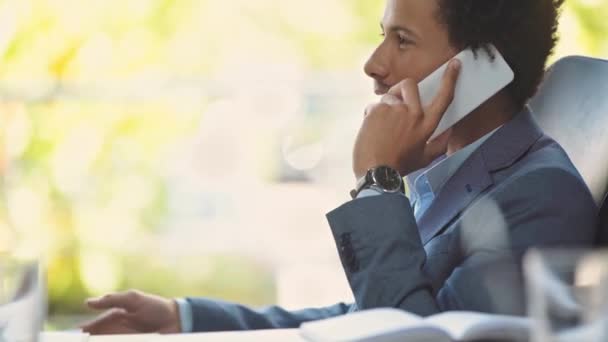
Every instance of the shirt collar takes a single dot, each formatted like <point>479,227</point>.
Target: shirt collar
<point>442,169</point>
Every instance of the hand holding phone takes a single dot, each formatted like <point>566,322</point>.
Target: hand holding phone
<point>408,137</point>
<point>397,135</point>
<point>481,76</point>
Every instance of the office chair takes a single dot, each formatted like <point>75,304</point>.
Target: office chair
<point>572,107</point>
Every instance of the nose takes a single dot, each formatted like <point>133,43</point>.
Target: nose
<point>376,66</point>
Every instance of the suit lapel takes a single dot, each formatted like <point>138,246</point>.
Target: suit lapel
<point>500,151</point>
<point>466,184</point>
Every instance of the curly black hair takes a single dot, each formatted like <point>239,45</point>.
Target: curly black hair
<point>524,31</point>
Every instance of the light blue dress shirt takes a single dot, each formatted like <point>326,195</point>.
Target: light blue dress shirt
<point>424,185</point>
<point>185,314</point>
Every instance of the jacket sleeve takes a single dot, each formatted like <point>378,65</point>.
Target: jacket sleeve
<point>384,259</point>
<point>215,315</point>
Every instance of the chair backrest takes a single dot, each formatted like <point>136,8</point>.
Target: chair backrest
<point>572,107</point>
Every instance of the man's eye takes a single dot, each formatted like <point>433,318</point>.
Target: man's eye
<point>403,41</point>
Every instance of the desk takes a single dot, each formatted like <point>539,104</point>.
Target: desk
<point>280,335</point>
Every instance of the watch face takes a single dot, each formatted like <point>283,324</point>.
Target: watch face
<point>388,178</point>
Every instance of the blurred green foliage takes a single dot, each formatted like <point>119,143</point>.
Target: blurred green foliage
<point>593,19</point>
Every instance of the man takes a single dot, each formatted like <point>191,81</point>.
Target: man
<point>481,194</point>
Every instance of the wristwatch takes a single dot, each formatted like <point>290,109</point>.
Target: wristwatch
<point>383,178</point>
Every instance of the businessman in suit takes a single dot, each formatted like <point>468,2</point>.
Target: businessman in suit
<point>480,195</point>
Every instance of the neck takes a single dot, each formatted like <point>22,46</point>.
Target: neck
<point>492,114</point>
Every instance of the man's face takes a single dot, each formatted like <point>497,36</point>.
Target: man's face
<point>414,44</point>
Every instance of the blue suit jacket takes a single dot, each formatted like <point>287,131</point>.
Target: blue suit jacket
<point>518,190</point>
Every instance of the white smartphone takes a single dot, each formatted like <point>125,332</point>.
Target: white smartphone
<point>481,77</point>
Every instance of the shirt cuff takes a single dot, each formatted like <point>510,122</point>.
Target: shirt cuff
<point>369,193</point>
<point>185,314</point>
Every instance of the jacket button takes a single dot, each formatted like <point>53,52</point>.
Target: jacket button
<point>353,265</point>
<point>348,254</point>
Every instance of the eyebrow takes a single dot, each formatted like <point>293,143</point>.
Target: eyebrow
<point>394,28</point>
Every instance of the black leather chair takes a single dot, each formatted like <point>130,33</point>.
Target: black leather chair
<point>572,107</point>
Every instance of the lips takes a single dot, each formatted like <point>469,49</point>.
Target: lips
<point>380,89</point>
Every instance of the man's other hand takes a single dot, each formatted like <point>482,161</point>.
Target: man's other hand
<point>396,131</point>
<point>133,312</point>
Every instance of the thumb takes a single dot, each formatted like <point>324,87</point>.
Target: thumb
<point>123,300</point>
<point>437,147</point>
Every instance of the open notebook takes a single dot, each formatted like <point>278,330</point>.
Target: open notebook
<point>387,325</point>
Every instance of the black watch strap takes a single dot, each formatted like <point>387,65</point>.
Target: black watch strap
<point>383,178</point>
<point>364,183</point>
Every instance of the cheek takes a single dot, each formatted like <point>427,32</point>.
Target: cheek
<point>411,65</point>
<point>426,63</point>
<point>435,59</point>
<point>418,63</point>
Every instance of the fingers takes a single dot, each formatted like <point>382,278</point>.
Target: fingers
<point>386,100</point>
<point>405,93</point>
<point>445,96</point>
<point>411,95</point>
<point>391,99</point>
<point>123,300</point>
<point>394,97</point>
<point>374,107</point>
<point>395,91</point>
<point>113,321</point>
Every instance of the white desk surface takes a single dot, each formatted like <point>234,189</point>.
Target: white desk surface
<point>280,335</point>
